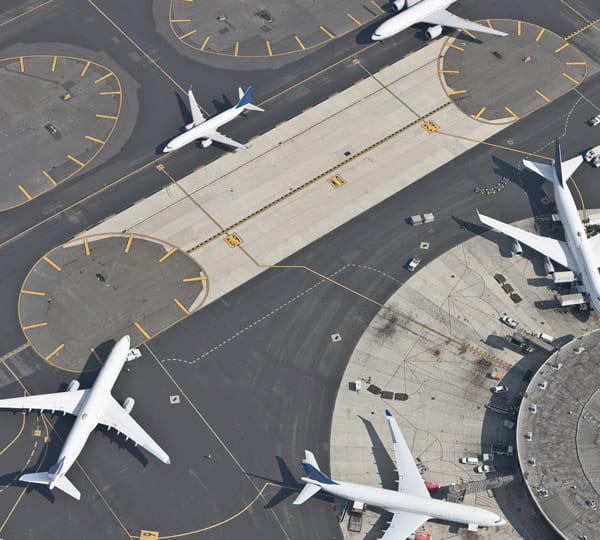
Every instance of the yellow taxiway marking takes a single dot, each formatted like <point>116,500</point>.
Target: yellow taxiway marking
<point>52,263</point>
<point>353,19</point>
<point>33,292</point>
<point>377,6</point>
<point>327,31</point>
<point>103,77</point>
<point>38,325</point>
<point>95,140</point>
<point>191,32</point>
<point>448,71</point>
<point>128,245</point>
<point>85,68</point>
<point>480,112</point>
<point>564,46</point>
<point>138,326</point>
<point>21,61</point>
<point>54,64</point>
<point>86,245</point>
<point>75,160</point>
<point>106,116</point>
<point>25,13</point>
<point>542,96</point>
<point>455,46</point>
<point>512,113</point>
<point>518,28</point>
<point>24,191</point>
<point>96,356</point>
<point>570,78</point>
<point>575,63</point>
<point>49,177</point>
<point>457,92</point>
<point>168,254</point>
<point>186,280</point>
<point>109,93</point>
<point>468,33</point>
<point>299,41</point>
<point>205,43</point>
<point>59,348</point>
<point>180,20</point>
<point>540,34</point>
<point>268,43</point>
<point>237,48</point>
<point>489,23</point>
<point>181,306</point>
<point>148,535</point>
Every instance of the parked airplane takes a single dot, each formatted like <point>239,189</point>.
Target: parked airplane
<point>579,253</point>
<point>206,129</point>
<point>91,407</point>
<point>411,505</point>
<point>427,11</point>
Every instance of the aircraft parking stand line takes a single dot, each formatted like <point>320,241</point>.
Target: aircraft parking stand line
<point>312,146</point>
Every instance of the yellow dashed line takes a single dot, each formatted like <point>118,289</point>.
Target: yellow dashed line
<point>268,43</point>
<point>39,325</point>
<point>84,70</point>
<point>59,348</point>
<point>512,113</point>
<point>54,64</point>
<point>128,246</point>
<point>168,254</point>
<point>75,160</point>
<point>542,96</point>
<point>570,78</point>
<point>377,6</point>
<point>300,42</point>
<point>540,34</point>
<point>468,33</point>
<point>188,34</point>
<point>146,335</point>
<point>24,191</point>
<point>583,29</point>
<point>181,306</point>
<point>86,245</point>
<point>22,62</point>
<point>353,19</point>
<point>237,48</point>
<point>561,47</point>
<point>186,280</point>
<point>327,31</point>
<point>49,177</point>
<point>103,77</point>
<point>95,140</point>
<point>206,39</point>
<point>33,292</point>
<point>106,116</point>
<point>455,46</point>
<point>52,263</point>
<point>480,112</point>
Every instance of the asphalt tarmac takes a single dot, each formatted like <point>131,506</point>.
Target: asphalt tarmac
<point>256,372</point>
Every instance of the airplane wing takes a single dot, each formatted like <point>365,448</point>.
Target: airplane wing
<point>220,138</point>
<point>65,402</point>
<point>409,478</point>
<point>554,249</point>
<point>445,18</point>
<point>403,524</point>
<point>197,115</point>
<point>114,416</point>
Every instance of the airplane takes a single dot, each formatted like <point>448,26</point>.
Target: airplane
<point>427,11</point>
<point>579,253</point>
<point>411,505</point>
<point>91,407</point>
<point>206,129</point>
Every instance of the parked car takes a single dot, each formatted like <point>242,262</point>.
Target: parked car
<point>469,460</point>
<point>413,263</point>
<point>485,469</point>
<point>509,322</point>
<point>500,389</point>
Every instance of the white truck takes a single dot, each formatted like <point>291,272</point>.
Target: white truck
<point>592,156</point>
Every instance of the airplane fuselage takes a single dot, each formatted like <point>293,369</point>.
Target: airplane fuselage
<point>409,17</point>
<point>577,240</point>
<point>203,129</point>
<point>393,501</point>
<point>89,414</point>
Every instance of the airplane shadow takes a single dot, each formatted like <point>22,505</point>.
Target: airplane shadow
<point>385,465</point>
<point>223,104</point>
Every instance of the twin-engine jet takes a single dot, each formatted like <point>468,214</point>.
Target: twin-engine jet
<point>579,253</point>
<point>206,129</point>
<point>411,505</point>
<point>427,11</point>
<point>91,407</point>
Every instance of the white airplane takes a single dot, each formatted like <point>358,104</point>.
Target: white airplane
<point>206,129</point>
<point>579,253</point>
<point>427,11</point>
<point>411,505</point>
<point>91,407</point>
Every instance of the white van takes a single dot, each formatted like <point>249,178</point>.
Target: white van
<point>469,460</point>
<point>545,337</point>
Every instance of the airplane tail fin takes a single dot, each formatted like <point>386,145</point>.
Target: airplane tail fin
<point>63,483</point>
<point>244,101</point>
<point>314,478</point>
<point>560,171</point>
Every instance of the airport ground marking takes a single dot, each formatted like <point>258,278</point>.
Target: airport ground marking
<point>167,255</point>
<point>105,76</point>
<point>540,34</point>
<point>575,63</point>
<point>24,192</point>
<point>55,351</point>
<point>489,23</point>
<point>188,34</point>
<point>205,43</point>
<point>54,64</point>
<point>354,19</point>
<point>143,332</point>
<point>299,41</point>
<point>97,356</point>
<point>236,49</point>
<point>377,6</point>
<point>181,306</point>
<point>111,93</point>
<point>75,160</point>
<point>51,263</point>
<point>588,25</point>
<point>453,92</point>
<point>86,245</point>
<point>25,13</point>
<point>570,78</point>
<point>128,245</point>
<point>106,116</point>
<point>269,50</point>
<point>455,47</point>
<point>518,28</point>
<point>36,293</point>
<point>23,420</point>
<point>326,31</point>
<point>464,30</point>
<point>45,173</point>
<point>563,46</point>
<point>548,100</point>
<point>21,64</point>
<point>85,68</point>
<point>516,117</point>
<point>94,139</point>
<point>481,111</point>
<point>448,71</point>
<point>38,325</point>
<point>197,278</point>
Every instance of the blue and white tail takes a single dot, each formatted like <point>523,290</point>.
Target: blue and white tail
<point>314,479</point>
<point>244,101</point>
<point>62,483</point>
<point>559,171</point>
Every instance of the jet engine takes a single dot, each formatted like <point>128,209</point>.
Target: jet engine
<point>548,266</point>
<point>206,143</point>
<point>128,404</point>
<point>434,31</point>
<point>189,126</point>
<point>73,385</point>
<point>516,248</point>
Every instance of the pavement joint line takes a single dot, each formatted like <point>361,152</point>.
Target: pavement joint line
<point>322,175</point>
<point>220,441</point>
<point>26,12</point>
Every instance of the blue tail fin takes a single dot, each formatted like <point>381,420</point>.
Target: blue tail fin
<point>315,474</point>
<point>245,99</point>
